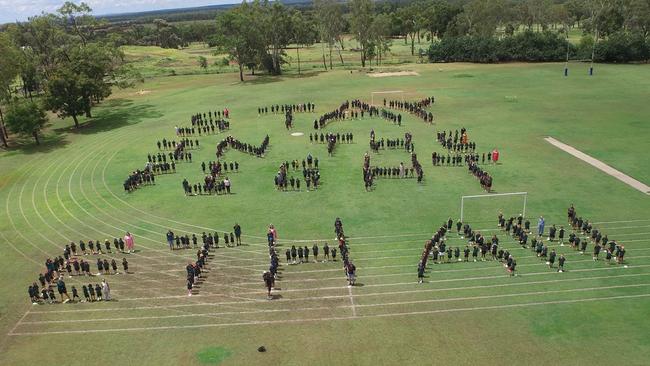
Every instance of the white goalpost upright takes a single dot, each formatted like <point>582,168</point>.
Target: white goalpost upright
<point>492,195</point>
<point>400,92</point>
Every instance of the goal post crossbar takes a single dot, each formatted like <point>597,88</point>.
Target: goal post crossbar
<point>462,200</point>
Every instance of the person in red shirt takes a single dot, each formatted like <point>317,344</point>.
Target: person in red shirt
<point>495,156</point>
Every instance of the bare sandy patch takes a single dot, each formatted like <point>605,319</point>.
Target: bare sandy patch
<point>142,92</point>
<point>397,73</point>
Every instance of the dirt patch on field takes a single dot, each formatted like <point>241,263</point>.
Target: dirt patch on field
<point>142,92</point>
<point>388,74</point>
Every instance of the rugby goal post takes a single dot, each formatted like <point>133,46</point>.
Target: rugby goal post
<point>523,196</point>
<point>383,94</point>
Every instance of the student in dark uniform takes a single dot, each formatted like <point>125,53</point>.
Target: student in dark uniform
<point>288,254</point>
<point>420,272</point>
<point>326,252</point>
<point>237,230</point>
<point>91,289</point>
<point>300,253</point>
<point>551,258</point>
<point>466,253</point>
<point>98,291</point>
<point>314,250</point>
<point>75,294</point>
<point>125,265</point>
<point>560,262</point>
<point>306,254</point>
<point>596,251</point>
<point>86,293</point>
<point>474,252</point>
<point>268,281</point>
<point>333,254</point>
<point>45,295</point>
<point>294,254</point>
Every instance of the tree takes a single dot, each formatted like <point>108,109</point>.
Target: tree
<point>79,19</point>
<point>65,94</point>
<point>26,118</point>
<point>237,35</point>
<point>9,68</point>
<point>302,32</point>
<point>329,17</point>
<point>203,62</point>
<point>360,22</point>
<point>276,21</point>
<point>380,30</point>
<point>482,17</point>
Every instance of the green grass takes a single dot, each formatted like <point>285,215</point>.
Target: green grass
<point>466,313</point>
<point>154,61</point>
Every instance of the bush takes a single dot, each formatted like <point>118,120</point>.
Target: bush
<point>526,46</point>
<point>623,47</point>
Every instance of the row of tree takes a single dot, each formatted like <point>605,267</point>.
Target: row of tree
<point>257,34</point>
<point>64,65</point>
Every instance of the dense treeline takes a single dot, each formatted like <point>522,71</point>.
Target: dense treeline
<point>64,64</point>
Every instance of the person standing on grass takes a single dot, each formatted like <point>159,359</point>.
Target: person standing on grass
<point>596,251</point>
<point>170,239</point>
<point>540,226</point>
<point>128,240</point>
<point>268,281</point>
<point>420,272</point>
<point>107,290</point>
<point>237,230</point>
<point>294,253</point>
<point>551,258</point>
<point>560,267</point>
<point>314,250</point>
<point>326,252</point>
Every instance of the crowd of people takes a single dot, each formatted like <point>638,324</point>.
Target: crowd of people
<point>479,247</point>
<point>310,173</point>
<point>196,268</point>
<point>415,108</point>
<point>340,137</point>
<point>165,144</point>
<point>484,178</point>
<point>69,263</point>
<point>596,237</point>
<point>336,114</point>
<point>244,147</point>
<point>211,185</point>
<point>216,168</point>
<point>405,143</point>
<point>283,108</point>
<point>396,118</point>
<point>186,241</point>
<point>400,171</point>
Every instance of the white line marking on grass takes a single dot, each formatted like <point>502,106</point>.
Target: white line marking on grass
<point>387,293</point>
<point>354,308</point>
<point>642,187</point>
<point>618,222</point>
<point>495,307</point>
<point>352,305</point>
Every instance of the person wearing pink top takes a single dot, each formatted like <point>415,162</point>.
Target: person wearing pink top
<point>128,240</point>
<point>495,156</point>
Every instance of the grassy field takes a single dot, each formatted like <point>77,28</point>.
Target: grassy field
<point>70,188</point>
<point>154,61</point>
